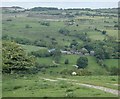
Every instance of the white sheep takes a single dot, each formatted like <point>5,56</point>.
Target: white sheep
<point>74,73</point>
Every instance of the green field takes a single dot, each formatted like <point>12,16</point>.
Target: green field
<point>80,30</point>
<point>35,86</point>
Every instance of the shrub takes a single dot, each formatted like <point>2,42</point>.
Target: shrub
<point>40,43</point>
<point>27,26</point>
<point>22,41</point>
<point>104,32</point>
<point>115,71</point>
<point>66,61</point>
<point>45,23</point>
<point>64,31</point>
<point>9,20</point>
<point>82,62</point>
<point>17,87</point>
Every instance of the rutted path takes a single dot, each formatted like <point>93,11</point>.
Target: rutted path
<point>115,92</point>
<point>112,91</point>
<point>55,63</point>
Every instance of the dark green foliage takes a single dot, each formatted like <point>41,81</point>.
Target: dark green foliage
<point>43,8</point>
<point>89,46</point>
<point>115,71</point>
<point>45,23</point>
<point>66,61</point>
<point>24,41</point>
<point>99,53</point>
<point>82,62</point>
<point>14,58</point>
<point>40,43</point>
<point>74,43</point>
<point>104,32</point>
<point>41,53</point>
<point>64,31</point>
<point>82,37</point>
<point>9,20</point>
<point>56,55</point>
<point>27,26</point>
<point>116,25</point>
<point>5,37</point>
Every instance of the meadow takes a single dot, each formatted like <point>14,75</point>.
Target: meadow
<point>36,86</point>
<point>40,30</point>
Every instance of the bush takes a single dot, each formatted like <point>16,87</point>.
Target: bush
<point>64,31</point>
<point>82,62</point>
<point>45,23</point>
<point>115,71</point>
<point>66,61</point>
<point>40,43</point>
<point>17,87</point>
<point>9,20</point>
<point>104,32</point>
<point>22,41</point>
<point>27,26</point>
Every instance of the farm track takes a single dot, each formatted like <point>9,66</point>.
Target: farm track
<point>55,63</point>
<point>109,90</point>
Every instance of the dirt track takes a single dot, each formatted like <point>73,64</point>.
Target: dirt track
<point>112,91</point>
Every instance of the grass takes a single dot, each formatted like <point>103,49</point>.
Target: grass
<point>30,48</point>
<point>16,28</point>
<point>109,62</point>
<point>106,81</point>
<point>34,86</point>
<point>45,61</point>
<point>92,67</point>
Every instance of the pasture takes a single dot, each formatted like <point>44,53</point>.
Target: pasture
<point>68,30</point>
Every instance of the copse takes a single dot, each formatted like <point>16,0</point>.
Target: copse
<point>45,23</point>
<point>14,58</point>
<point>64,31</point>
<point>41,53</point>
<point>56,55</point>
<point>82,62</point>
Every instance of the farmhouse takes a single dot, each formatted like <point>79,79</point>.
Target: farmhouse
<point>65,52</point>
<point>51,50</point>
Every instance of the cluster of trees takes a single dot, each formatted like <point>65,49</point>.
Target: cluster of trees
<point>83,37</point>
<point>45,23</point>
<point>40,43</point>
<point>56,55</point>
<point>41,53</point>
<point>25,41</point>
<point>43,8</point>
<point>73,44</point>
<point>17,40</point>
<point>14,58</point>
<point>64,31</point>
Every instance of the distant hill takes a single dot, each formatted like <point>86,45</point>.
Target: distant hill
<point>13,8</point>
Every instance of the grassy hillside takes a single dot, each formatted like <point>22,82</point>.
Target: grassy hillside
<point>89,33</point>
